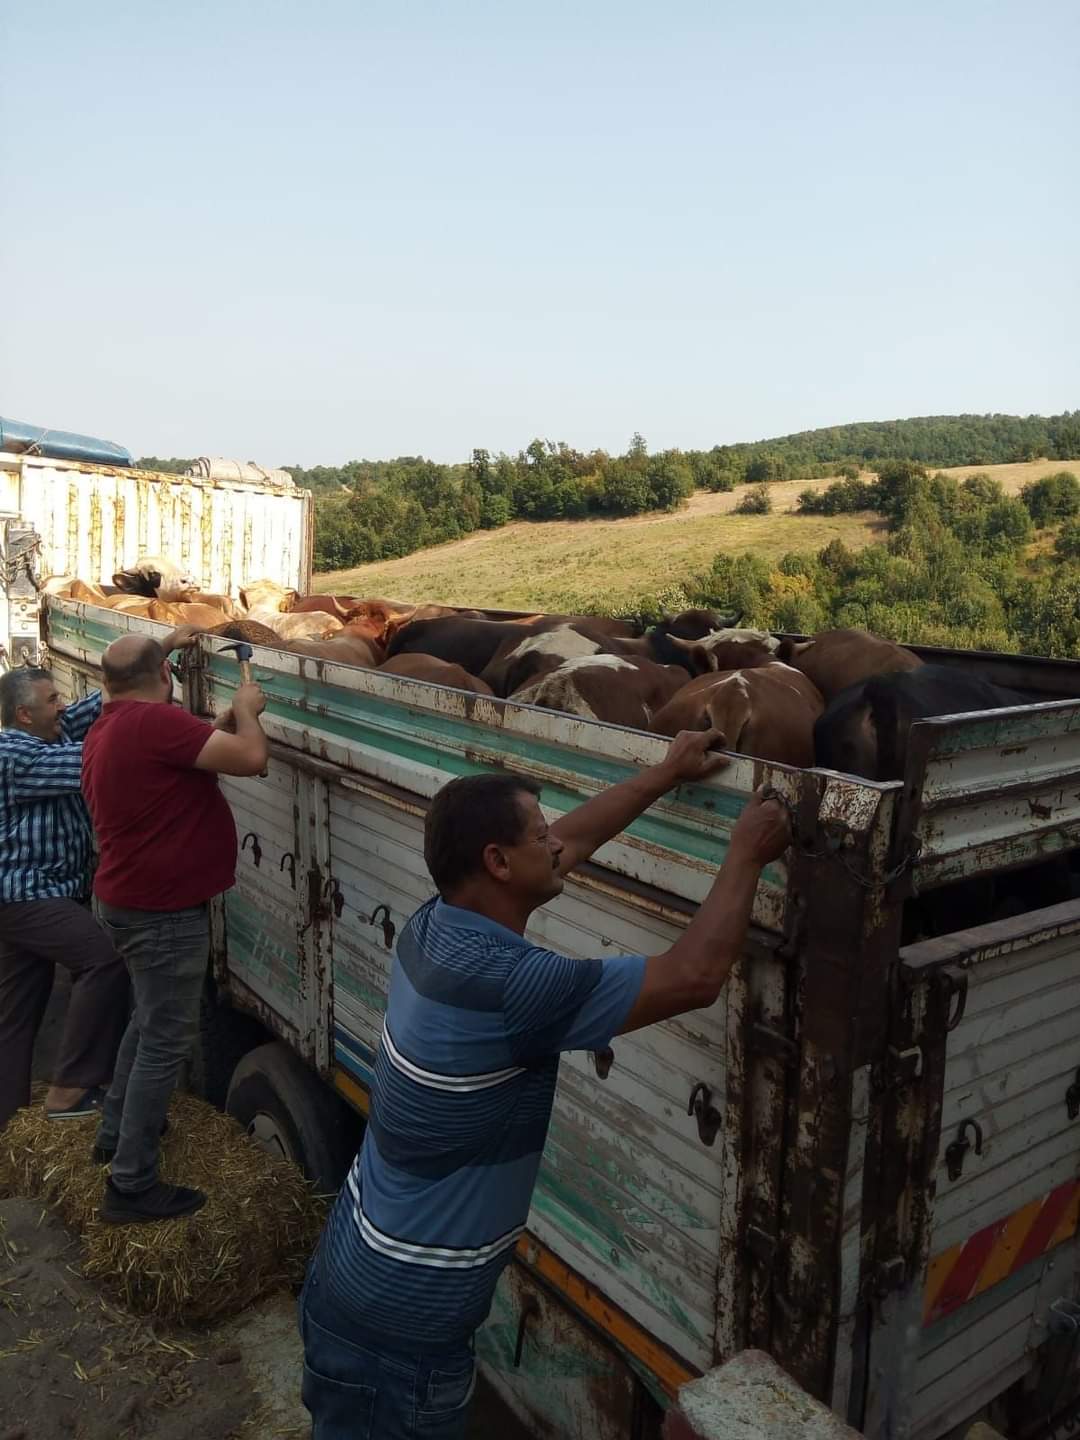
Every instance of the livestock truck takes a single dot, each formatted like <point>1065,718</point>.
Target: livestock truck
<point>863,1158</point>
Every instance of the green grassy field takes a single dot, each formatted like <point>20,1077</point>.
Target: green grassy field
<point>608,564</point>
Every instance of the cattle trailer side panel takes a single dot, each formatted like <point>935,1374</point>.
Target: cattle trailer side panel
<point>95,519</point>
<point>989,792</point>
<point>631,1196</point>
<point>1007,1194</point>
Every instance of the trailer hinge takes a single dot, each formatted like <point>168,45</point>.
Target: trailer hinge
<point>761,1245</point>
<point>898,1067</point>
<point>764,1040</point>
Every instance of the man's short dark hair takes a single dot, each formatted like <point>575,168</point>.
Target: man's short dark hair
<point>17,688</point>
<point>143,666</point>
<point>466,816</point>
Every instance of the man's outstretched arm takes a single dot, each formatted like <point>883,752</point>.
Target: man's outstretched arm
<point>600,819</point>
<point>692,973</point>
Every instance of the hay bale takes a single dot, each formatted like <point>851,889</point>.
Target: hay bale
<point>254,1234</point>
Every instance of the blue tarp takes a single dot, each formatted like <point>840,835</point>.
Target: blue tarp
<point>60,444</point>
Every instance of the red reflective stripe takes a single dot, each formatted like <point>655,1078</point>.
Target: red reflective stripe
<point>965,1272</point>
<point>1038,1237</point>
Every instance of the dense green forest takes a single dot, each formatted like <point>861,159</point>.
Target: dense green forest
<point>958,567</point>
<point>379,509</point>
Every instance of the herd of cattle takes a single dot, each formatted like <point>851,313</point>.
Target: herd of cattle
<point>844,699</point>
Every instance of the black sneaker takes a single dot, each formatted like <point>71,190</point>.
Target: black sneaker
<point>160,1202</point>
<point>88,1103</point>
<point>103,1154</point>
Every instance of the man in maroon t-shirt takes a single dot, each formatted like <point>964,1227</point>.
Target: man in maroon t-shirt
<point>167,845</point>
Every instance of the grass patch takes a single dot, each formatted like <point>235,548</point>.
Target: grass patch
<point>603,565</point>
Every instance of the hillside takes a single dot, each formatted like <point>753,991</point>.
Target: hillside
<point>611,564</point>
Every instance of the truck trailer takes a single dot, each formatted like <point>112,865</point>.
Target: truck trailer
<point>862,1159</point>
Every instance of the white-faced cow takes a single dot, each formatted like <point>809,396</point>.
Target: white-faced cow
<point>614,689</point>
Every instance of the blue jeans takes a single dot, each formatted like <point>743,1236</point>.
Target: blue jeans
<point>356,1390</point>
<point>166,954</point>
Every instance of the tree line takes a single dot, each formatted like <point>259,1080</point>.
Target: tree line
<point>370,510</point>
<point>958,568</point>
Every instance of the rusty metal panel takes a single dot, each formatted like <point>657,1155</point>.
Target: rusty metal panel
<point>558,1376</point>
<point>94,520</point>
<point>992,791</point>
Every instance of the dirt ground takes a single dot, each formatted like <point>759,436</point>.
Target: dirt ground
<point>74,1367</point>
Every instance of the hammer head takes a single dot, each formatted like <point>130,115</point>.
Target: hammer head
<point>243,650</point>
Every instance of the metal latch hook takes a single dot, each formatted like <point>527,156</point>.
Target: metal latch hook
<point>388,927</point>
<point>709,1118</point>
<point>954,1155</point>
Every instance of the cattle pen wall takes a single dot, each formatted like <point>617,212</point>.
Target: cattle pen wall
<point>761,1173</point>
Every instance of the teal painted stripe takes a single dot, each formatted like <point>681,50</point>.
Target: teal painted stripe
<point>604,1173</point>
<point>352,985</point>
<point>955,737</point>
<point>447,742</point>
<point>252,947</point>
<point>348,1061</point>
<point>598,1233</point>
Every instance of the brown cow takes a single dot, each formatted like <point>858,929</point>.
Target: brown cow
<point>520,662</point>
<point>337,605</point>
<point>342,649</point>
<point>182,612</point>
<point>247,630</point>
<point>836,659</point>
<point>267,595</point>
<point>610,688</point>
<point>767,711</point>
<point>89,594</point>
<point>318,626</point>
<point>435,672</point>
<point>138,605</point>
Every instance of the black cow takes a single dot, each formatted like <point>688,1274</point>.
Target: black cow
<point>469,643</point>
<point>865,729</point>
<point>865,732</point>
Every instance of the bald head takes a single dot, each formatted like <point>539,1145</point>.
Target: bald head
<point>132,666</point>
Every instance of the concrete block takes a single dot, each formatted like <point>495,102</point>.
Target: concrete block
<point>750,1397</point>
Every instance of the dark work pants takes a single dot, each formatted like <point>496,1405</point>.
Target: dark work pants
<point>36,936</point>
<point>166,952</point>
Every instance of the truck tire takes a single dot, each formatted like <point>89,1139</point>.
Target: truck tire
<point>289,1112</point>
<point>224,1038</point>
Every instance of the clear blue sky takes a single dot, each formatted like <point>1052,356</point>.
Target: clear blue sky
<point>312,232</point>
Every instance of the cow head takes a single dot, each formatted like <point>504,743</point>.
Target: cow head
<point>725,650</point>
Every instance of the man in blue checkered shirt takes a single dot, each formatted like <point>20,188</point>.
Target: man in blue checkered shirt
<point>46,862</point>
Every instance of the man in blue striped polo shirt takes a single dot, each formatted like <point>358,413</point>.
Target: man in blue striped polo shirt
<point>476,1019</point>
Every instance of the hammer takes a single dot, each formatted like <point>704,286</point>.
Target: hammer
<point>244,653</point>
